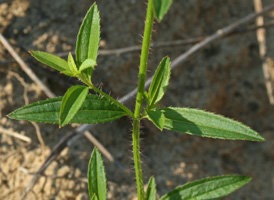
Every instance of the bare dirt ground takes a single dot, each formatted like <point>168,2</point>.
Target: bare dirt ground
<point>225,78</point>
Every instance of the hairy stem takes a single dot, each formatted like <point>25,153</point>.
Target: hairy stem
<point>139,100</point>
<point>91,86</point>
<point>137,159</point>
<point>144,59</point>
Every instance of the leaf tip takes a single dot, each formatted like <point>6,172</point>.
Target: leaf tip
<point>248,178</point>
<point>32,53</point>
<point>256,137</point>
<point>260,138</point>
<point>10,115</point>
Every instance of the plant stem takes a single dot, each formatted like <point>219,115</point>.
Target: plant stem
<point>139,99</point>
<point>113,100</point>
<point>91,86</point>
<point>144,59</point>
<point>137,159</point>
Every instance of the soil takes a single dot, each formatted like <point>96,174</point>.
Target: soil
<point>225,78</point>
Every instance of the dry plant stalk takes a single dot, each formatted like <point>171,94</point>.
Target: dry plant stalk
<point>267,62</point>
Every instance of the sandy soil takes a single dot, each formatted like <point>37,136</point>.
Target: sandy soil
<point>224,78</point>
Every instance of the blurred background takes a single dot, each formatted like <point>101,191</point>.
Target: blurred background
<point>226,78</point>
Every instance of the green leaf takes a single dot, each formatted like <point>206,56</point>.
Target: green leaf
<point>89,36</point>
<point>94,197</point>
<point>88,63</point>
<point>151,190</point>
<point>201,123</point>
<point>71,103</point>
<point>50,60</point>
<point>159,82</point>
<point>160,8</point>
<point>95,109</point>
<point>96,176</point>
<point>71,64</point>
<point>208,188</point>
<point>157,117</point>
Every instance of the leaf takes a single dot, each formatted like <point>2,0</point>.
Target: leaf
<point>201,123</point>
<point>161,7</point>
<point>96,176</point>
<point>159,82</point>
<point>88,63</point>
<point>157,117</point>
<point>151,190</point>
<point>88,38</point>
<point>208,188</point>
<point>50,60</point>
<point>94,197</point>
<point>71,103</point>
<point>95,109</point>
<point>71,64</point>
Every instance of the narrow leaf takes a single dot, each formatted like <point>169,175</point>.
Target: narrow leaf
<point>161,7</point>
<point>94,197</point>
<point>201,123</point>
<point>95,109</point>
<point>88,63</point>
<point>50,60</point>
<point>71,64</point>
<point>151,190</point>
<point>96,176</point>
<point>71,103</point>
<point>208,188</point>
<point>159,82</point>
<point>89,36</point>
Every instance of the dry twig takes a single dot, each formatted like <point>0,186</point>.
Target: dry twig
<point>25,67</point>
<point>15,134</point>
<point>35,125</point>
<point>263,51</point>
<point>66,177</point>
<point>23,83</point>
<point>189,41</point>
<point>100,147</point>
<point>39,135</point>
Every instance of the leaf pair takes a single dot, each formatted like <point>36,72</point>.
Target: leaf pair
<point>95,109</point>
<point>187,120</point>
<point>69,67</point>
<point>73,70</point>
<point>87,46</point>
<point>207,188</point>
<point>86,53</point>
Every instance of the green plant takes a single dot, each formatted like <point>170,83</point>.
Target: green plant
<point>77,106</point>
